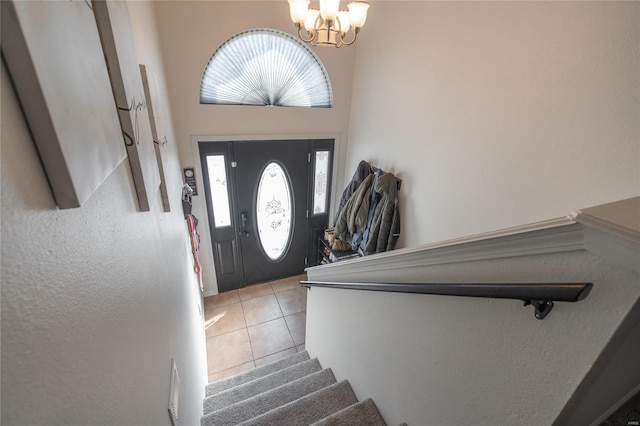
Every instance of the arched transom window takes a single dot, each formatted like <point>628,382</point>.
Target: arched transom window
<point>265,67</point>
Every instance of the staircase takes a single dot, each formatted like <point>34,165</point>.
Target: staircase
<point>291,391</point>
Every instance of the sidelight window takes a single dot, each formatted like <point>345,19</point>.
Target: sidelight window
<point>320,177</point>
<point>219,190</point>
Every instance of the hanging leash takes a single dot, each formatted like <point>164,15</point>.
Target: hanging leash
<point>195,247</point>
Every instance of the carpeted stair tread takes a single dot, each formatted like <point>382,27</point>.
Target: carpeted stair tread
<point>260,385</point>
<point>308,409</point>
<point>266,401</point>
<point>364,413</point>
<point>247,376</point>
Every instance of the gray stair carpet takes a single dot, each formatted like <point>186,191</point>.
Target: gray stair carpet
<point>266,401</point>
<point>260,385</point>
<point>308,409</point>
<point>228,383</point>
<point>363,413</point>
<point>294,391</point>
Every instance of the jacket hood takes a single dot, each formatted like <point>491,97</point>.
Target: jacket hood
<point>363,170</point>
<point>386,185</point>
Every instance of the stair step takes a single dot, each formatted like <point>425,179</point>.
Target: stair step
<point>308,409</point>
<point>248,376</point>
<point>364,413</point>
<point>264,402</point>
<point>260,385</point>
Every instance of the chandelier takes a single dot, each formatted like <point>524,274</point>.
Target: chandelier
<point>328,26</point>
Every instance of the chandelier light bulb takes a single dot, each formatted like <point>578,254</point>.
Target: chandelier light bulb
<point>298,10</point>
<point>310,21</point>
<point>345,22</point>
<point>358,13</point>
<point>329,9</point>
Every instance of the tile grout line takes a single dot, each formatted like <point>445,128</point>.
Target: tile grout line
<point>253,325</point>
<point>230,331</point>
<point>220,306</point>
<point>269,320</point>
<point>246,328</point>
<point>286,323</point>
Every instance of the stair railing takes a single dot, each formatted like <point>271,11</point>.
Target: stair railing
<point>540,295</point>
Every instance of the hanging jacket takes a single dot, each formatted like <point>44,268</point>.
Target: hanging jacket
<point>361,236</point>
<point>355,212</point>
<point>384,227</point>
<point>362,171</point>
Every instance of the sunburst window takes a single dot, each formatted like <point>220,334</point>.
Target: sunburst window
<point>265,67</point>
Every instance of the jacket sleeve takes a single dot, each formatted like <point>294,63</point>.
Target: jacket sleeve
<point>386,222</point>
<point>340,227</point>
<point>362,171</point>
<point>374,230</point>
<point>345,225</point>
<point>395,226</point>
<point>359,206</point>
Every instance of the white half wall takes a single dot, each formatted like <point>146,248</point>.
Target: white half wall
<point>190,32</point>
<point>445,360</point>
<point>498,113</point>
<point>97,300</point>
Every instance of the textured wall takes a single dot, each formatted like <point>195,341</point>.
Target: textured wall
<point>96,300</point>
<point>498,113</point>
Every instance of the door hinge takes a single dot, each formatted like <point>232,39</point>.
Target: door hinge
<point>308,157</point>
<point>307,213</point>
<point>306,261</point>
<point>234,164</point>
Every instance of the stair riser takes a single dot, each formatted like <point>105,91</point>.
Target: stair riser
<point>256,373</point>
<point>309,409</point>
<point>266,401</point>
<point>258,386</point>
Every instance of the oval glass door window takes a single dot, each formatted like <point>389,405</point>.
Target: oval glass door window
<point>274,211</point>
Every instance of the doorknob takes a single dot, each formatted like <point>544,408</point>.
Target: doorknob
<point>244,234</point>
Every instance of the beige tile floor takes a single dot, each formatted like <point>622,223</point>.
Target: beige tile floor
<point>253,326</point>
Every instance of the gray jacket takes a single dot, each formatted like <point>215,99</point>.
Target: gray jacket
<point>384,228</point>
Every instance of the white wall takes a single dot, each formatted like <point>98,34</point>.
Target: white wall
<point>444,360</point>
<point>96,300</point>
<point>190,31</point>
<point>498,113</point>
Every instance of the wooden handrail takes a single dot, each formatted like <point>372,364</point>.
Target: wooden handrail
<point>540,295</point>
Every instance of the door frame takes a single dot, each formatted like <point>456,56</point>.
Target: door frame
<point>199,208</point>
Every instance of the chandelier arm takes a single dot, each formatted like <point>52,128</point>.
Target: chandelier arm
<point>339,32</point>
<point>339,40</point>
<point>355,36</point>
<point>311,33</point>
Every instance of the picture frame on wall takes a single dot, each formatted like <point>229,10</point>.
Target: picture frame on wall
<point>66,95</point>
<point>114,27</point>
<point>158,130</point>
